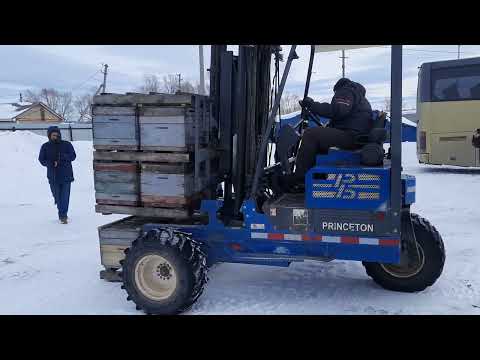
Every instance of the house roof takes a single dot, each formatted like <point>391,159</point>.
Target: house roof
<point>9,111</point>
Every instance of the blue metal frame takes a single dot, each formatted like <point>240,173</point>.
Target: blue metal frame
<point>346,186</point>
<point>240,245</point>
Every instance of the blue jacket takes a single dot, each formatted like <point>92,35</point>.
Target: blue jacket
<point>62,152</point>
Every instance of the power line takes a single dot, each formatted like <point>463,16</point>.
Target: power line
<point>83,83</point>
<point>434,51</point>
<point>438,51</point>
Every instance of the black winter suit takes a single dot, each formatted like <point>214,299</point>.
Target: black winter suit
<point>350,114</point>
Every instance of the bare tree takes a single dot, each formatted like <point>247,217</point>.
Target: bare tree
<point>186,86</point>
<point>289,103</point>
<point>198,90</point>
<point>31,96</point>
<point>65,105</point>
<point>170,84</point>
<point>387,104</point>
<point>60,102</point>
<point>83,106</point>
<point>150,83</point>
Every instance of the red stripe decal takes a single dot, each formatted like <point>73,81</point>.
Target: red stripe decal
<point>306,237</point>
<point>275,236</point>
<point>389,242</point>
<point>349,240</point>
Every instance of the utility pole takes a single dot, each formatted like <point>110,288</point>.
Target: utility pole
<point>21,98</point>
<point>458,52</point>
<point>104,72</point>
<point>179,82</point>
<point>202,73</point>
<point>343,57</point>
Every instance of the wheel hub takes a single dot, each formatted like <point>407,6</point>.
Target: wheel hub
<point>164,271</point>
<point>155,277</point>
<point>406,269</point>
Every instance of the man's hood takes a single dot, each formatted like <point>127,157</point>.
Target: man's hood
<point>53,129</point>
<point>344,82</point>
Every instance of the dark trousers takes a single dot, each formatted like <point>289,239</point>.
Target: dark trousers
<point>318,140</point>
<point>61,194</point>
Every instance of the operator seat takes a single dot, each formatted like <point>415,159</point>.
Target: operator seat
<point>371,151</point>
<point>370,146</point>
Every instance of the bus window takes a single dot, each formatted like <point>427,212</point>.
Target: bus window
<point>475,91</point>
<point>419,86</point>
<point>456,83</point>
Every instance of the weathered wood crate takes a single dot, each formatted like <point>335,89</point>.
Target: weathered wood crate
<point>145,184</point>
<point>136,122</point>
<point>166,185</point>
<point>116,183</point>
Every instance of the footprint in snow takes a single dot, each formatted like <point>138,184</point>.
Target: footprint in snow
<point>373,311</point>
<point>8,261</point>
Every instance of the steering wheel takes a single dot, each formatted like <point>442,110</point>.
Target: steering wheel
<point>310,114</point>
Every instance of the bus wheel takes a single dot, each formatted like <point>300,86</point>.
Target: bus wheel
<point>418,276</point>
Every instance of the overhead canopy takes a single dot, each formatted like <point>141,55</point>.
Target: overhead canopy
<point>328,48</point>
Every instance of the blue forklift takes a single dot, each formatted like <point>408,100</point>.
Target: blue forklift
<point>355,205</point>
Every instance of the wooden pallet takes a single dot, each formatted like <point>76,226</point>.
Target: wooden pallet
<point>142,156</point>
<point>163,213</point>
<point>167,149</point>
<point>139,98</point>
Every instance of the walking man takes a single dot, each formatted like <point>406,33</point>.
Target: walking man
<point>57,155</point>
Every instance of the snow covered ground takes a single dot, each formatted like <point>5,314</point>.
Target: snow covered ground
<point>49,268</point>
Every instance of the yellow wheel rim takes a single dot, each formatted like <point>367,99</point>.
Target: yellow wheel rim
<point>155,277</point>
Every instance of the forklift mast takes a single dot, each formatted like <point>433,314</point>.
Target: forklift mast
<point>240,91</point>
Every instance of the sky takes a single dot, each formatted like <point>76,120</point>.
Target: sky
<point>76,68</point>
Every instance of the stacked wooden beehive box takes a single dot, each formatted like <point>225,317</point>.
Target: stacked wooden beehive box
<point>154,154</point>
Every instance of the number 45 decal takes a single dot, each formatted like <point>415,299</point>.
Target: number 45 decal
<point>349,189</point>
<point>343,183</point>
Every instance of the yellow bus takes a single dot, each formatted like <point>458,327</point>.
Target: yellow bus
<point>448,110</point>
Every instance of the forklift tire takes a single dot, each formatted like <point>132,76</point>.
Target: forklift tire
<point>424,274</point>
<point>164,272</point>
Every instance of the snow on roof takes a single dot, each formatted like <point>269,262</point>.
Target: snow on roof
<point>9,110</point>
<point>405,120</point>
<point>408,122</point>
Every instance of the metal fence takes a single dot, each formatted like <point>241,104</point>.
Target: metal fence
<point>70,132</point>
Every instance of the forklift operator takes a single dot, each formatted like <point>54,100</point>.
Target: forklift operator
<point>350,114</point>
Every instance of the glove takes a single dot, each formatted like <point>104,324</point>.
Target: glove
<point>306,103</point>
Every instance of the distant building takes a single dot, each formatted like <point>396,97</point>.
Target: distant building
<point>37,113</point>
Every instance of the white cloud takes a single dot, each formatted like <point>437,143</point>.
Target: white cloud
<point>67,66</point>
